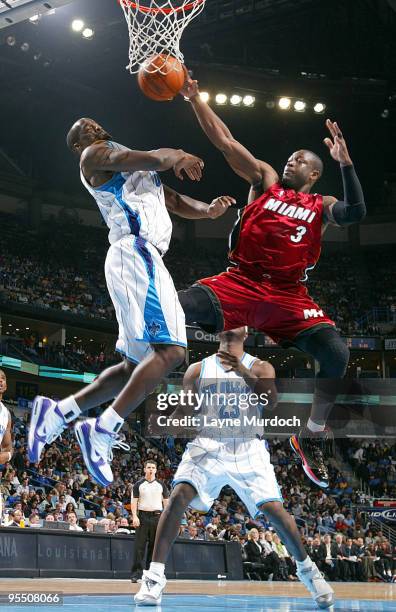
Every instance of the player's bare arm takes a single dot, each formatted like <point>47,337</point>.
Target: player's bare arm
<point>102,157</point>
<point>6,445</point>
<point>352,208</point>
<point>188,208</point>
<point>190,379</point>
<point>260,377</point>
<point>259,174</point>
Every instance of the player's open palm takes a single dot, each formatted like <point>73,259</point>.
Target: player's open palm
<point>191,165</point>
<point>336,144</point>
<point>219,206</point>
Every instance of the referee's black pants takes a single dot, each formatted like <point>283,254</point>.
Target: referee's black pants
<point>145,534</point>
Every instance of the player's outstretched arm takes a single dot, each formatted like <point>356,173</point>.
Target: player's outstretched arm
<point>239,158</point>
<point>188,208</point>
<point>352,209</point>
<point>6,445</point>
<point>102,157</point>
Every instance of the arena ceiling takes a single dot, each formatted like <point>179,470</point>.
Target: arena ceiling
<point>343,51</point>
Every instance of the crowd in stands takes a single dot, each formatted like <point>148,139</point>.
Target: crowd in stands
<point>73,355</point>
<point>335,534</point>
<point>374,462</point>
<point>55,267</point>
<point>61,267</point>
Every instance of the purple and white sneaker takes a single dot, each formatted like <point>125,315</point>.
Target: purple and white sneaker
<point>46,425</point>
<point>97,446</point>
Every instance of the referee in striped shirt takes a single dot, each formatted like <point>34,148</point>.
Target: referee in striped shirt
<point>149,498</point>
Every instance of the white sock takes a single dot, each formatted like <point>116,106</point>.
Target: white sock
<point>157,568</point>
<point>306,564</point>
<point>314,427</point>
<point>69,408</point>
<point>111,420</point>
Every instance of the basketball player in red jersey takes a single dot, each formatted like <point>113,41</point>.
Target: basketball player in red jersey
<point>275,241</point>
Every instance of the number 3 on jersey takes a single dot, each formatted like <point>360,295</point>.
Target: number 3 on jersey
<point>300,231</point>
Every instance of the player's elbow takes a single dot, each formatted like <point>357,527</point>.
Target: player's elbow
<point>356,213</point>
<point>348,214</point>
<point>361,212</point>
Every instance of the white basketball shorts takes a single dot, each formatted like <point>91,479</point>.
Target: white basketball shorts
<point>145,299</point>
<point>209,465</point>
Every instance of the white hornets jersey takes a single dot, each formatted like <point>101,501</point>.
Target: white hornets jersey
<point>4,417</point>
<point>227,396</point>
<point>134,203</point>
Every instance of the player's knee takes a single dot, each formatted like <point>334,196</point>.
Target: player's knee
<point>128,367</point>
<point>172,355</point>
<point>328,348</point>
<point>198,308</point>
<point>273,509</point>
<point>335,359</point>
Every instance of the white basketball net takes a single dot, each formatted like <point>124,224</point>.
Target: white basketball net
<point>155,27</point>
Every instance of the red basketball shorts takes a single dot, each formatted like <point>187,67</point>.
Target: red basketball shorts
<point>282,309</point>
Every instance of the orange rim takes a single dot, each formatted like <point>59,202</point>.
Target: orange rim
<point>166,11</point>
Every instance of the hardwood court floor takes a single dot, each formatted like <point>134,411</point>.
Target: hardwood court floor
<point>74,586</point>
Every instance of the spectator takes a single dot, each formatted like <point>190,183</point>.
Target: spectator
<point>16,519</point>
<point>255,554</point>
<point>123,526</point>
<point>34,520</point>
<point>73,522</point>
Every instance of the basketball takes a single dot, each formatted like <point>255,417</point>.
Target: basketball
<point>161,77</point>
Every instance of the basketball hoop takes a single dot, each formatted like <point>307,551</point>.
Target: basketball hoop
<point>156,27</point>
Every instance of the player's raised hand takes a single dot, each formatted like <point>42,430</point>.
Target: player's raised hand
<point>336,144</point>
<point>191,165</point>
<point>190,87</point>
<point>219,206</point>
<point>229,362</point>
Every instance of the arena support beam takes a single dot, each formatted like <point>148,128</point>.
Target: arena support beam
<point>14,11</point>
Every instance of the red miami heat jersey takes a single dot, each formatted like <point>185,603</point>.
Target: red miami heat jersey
<point>279,234</point>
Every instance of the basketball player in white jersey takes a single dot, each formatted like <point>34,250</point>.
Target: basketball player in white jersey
<point>152,334</point>
<point>241,461</point>
<point>5,432</point>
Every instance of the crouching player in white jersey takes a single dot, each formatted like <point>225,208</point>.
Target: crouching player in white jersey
<point>235,458</point>
<point>152,335</point>
<point>5,432</point>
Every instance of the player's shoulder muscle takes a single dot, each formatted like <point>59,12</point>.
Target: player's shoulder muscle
<point>263,369</point>
<point>268,179</point>
<point>269,176</point>
<point>96,154</point>
<point>103,155</point>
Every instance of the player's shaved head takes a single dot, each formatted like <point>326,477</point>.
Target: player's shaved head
<point>302,170</point>
<point>315,161</point>
<point>83,133</point>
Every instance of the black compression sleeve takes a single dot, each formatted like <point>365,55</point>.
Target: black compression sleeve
<point>353,192</point>
<point>353,208</point>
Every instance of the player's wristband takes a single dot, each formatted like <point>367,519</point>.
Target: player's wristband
<point>186,99</point>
